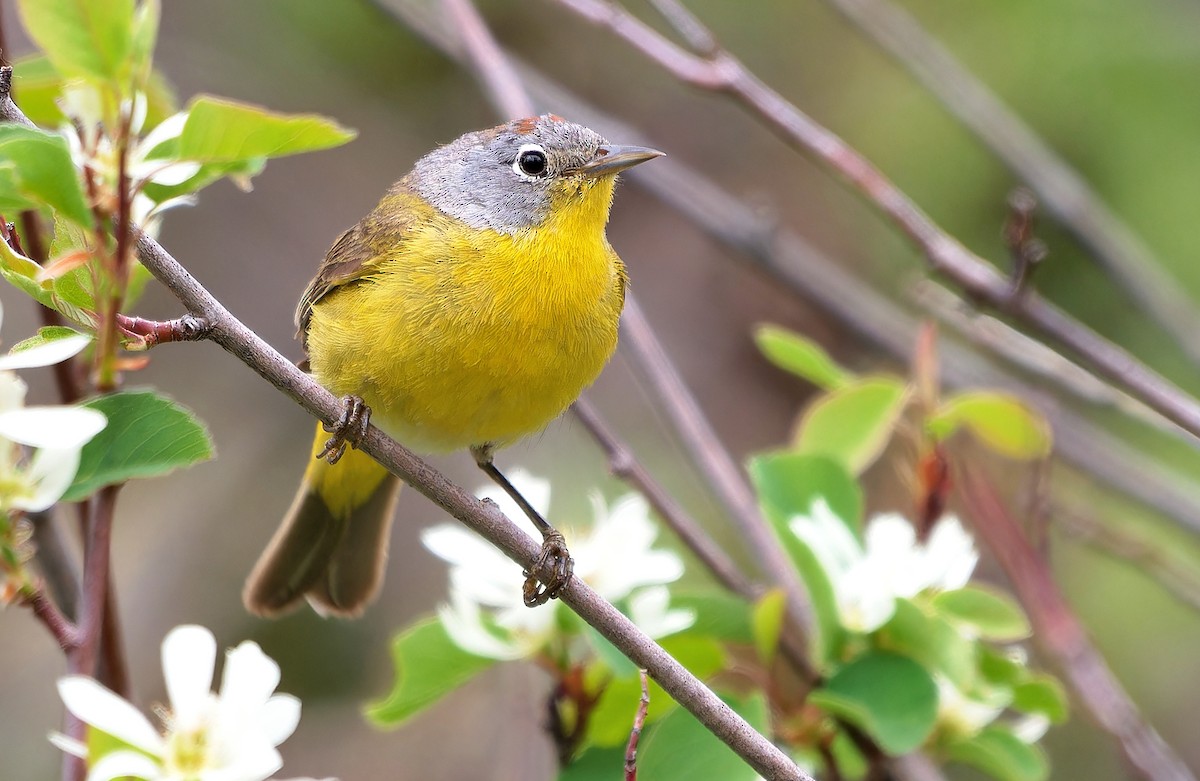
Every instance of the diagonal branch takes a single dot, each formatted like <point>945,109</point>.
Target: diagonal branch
<point>1119,251</point>
<point>722,72</point>
<point>486,520</point>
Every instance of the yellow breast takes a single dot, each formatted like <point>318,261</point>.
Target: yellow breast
<point>464,336</point>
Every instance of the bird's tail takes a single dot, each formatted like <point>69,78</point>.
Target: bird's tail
<point>332,545</point>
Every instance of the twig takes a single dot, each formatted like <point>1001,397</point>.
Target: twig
<point>63,631</point>
<point>623,464</point>
<point>489,64</point>
<point>639,721</point>
<point>1026,249</point>
<point>1060,633</point>
<point>721,72</point>
<point>150,333</point>
<point>97,549</point>
<point>1066,194</point>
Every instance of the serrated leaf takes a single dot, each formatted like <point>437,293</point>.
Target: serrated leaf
<point>428,666</point>
<point>83,38</point>
<point>931,641</point>
<point>612,715</point>
<point>800,356</point>
<point>767,620</point>
<point>1001,421</point>
<point>890,697</point>
<point>990,614</point>
<point>147,435</point>
<point>854,423</point>
<point>1001,754</point>
<point>1041,694</point>
<point>219,130</point>
<point>680,748</point>
<point>39,170</point>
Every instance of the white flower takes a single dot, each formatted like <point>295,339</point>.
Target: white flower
<point>867,579</point>
<point>83,105</point>
<point>486,614</point>
<point>230,736</point>
<point>963,715</point>
<point>58,433</point>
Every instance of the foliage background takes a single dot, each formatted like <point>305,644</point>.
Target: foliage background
<point>1110,86</point>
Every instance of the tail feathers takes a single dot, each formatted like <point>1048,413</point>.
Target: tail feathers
<point>332,544</point>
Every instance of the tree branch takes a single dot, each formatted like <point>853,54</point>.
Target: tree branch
<point>721,72</point>
<point>1060,634</point>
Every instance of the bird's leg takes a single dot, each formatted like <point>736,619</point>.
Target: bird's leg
<point>349,430</point>
<point>554,558</point>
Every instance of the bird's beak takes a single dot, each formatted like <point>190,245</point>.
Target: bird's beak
<point>611,159</point>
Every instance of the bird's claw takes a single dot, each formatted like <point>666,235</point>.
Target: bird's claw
<point>349,430</point>
<point>556,562</point>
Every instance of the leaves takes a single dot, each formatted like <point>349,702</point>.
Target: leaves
<point>83,38</point>
<point>767,620</point>
<point>889,696</point>
<point>680,748</point>
<point>800,356</point>
<point>853,424</point>
<point>1001,754</point>
<point>988,613</point>
<point>930,640</point>
<point>147,435</point>
<point>36,170</point>
<point>50,345</point>
<point>223,131</point>
<point>428,666</point>
<point>1002,421</point>
<point>1041,694</point>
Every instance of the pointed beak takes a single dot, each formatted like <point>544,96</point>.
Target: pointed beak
<point>612,159</point>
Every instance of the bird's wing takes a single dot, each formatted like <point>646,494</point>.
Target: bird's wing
<point>359,251</point>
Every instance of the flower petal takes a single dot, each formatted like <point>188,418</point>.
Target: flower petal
<point>463,622</point>
<point>57,427</point>
<point>95,705</point>
<point>535,490</point>
<point>249,679</point>
<point>170,128</point>
<point>51,473</point>
<point>949,556</point>
<point>649,610</point>
<point>280,716</point>
<point>68,745</point>
<point>124,764</point>
<point>189,654</point>
<point>45,354</point>
<point>12,392</point>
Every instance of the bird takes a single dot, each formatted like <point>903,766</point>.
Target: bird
<point>470,308</point>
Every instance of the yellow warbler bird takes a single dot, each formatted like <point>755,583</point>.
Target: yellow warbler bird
<point>469,309</point>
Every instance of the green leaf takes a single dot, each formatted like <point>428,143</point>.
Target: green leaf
<point>1003,422</point>
<point>83,38</point>
<point>1001,754</point>
<point>767,620</point>
<point>930,640</point>
<point>853,424</point>
<point>219,130</point>
<point>44,336</point>
<point>991,614</point>
<point>889,696</point>
<point>800,356</point>
<point>597,763</point>
<point>680,748</point>
<point>1041,694</point>
<point>21,273</point>
<point>147,435</point>
<point>143,37</point>
<point>428,666</point>
<point>718,615</point>
<point>612,716</point>
<point>999,667</point>
<point>787,485</point>
<point>38,86</point>
<point>38,170</point>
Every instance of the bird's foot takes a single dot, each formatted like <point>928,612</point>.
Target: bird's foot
<point>554,561</point>
<point>349,430</point>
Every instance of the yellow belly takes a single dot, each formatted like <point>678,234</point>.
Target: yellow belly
<point>471,337</point>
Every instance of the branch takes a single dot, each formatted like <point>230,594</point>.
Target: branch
<point>1120,252</point>
<point>1063,637</point>
<point>721,72</point>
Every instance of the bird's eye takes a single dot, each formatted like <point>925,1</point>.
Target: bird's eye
<point>531,160</point>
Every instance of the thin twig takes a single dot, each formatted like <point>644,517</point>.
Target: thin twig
<point>489,64</point>
<point>1060,633</point>
<point>97,550</point>
<point>1123,255</point>
<point>635,734</point>
<point>63,631</point>
<point>722,72</point>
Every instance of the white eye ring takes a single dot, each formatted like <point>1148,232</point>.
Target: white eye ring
<point>528,156</point>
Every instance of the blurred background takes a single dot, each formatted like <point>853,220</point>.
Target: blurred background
<point>1111,87</point>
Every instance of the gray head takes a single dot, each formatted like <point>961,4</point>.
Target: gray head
<point>507,178</point>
